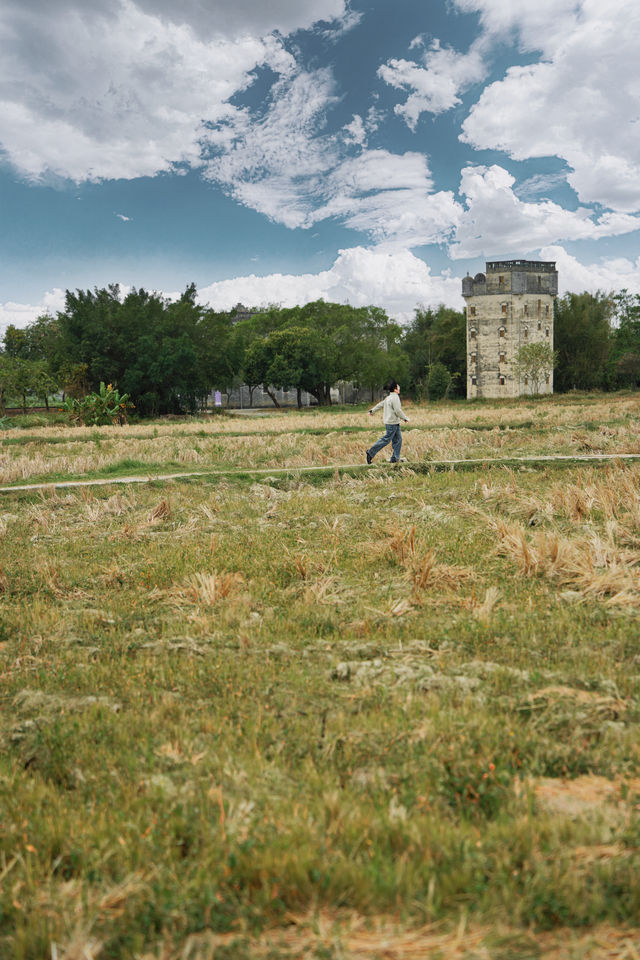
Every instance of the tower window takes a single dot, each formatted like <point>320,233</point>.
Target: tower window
<point>474,381</point>
<point>526,381</point>
<point>473,333</point>
<point>547,332</point>
<point>526,333</point>
<point>502,381</point>
<point>539,306</point>
<point>472,311</point>
<point>547,379</point>
<point>502,331</point>
<point>539,325</point>
<point>546,310</point>
<point>500,279</point>
<point>504,309</point>
<point>526,309</point>
<point>503,356</point>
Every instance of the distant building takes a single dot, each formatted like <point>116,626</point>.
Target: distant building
<point>240,312</point>
<point>509,306</point>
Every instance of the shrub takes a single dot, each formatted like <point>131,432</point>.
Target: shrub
<point>99,409</point>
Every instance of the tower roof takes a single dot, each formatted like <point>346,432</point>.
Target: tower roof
<point>521,266</point>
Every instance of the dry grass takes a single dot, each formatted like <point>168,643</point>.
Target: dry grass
<point>210,588</point>
<point>358,938</point>
<point>235,708</point>
<point>586,795</point>
<point>423,571</point>
<point>436,432</point>
<point>590,566</point>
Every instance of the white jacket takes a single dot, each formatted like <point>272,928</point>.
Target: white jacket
<point>392,412</point>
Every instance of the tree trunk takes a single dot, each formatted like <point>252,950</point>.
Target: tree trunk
<point>299,397</point>
<point>271,396</point>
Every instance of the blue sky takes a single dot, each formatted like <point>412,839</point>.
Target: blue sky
<point>370,151</point>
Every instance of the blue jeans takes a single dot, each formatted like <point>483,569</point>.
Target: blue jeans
<point>393,435</point>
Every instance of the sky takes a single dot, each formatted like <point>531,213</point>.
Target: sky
<point>279,151</point>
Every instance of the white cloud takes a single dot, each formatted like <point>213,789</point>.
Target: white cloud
<point>216,17</point>
<point>605,275</point>
<point>276,164</point>
<point>435,86</point>
<point>581,102</point>
<point>22,314</point>
<point>539,184</point>
<point>398,282</point>
<point>543,25</point>
<point>389,197</point>
<point>284,166</point>
<point>342,24</point>
<point>355,131</point>
<point>97,90</point>
<point>495,219</point>
<point>122,217</point>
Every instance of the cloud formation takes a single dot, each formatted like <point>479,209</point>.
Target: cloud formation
<point>436,83</point>
<point>398,282</point>
<point>127,89</point>
<point>497,220</point>
<point>276,163</point>
<point>22,314</point>
<point>581,102</point>
<point>93,90</point>
<point>606,275</point>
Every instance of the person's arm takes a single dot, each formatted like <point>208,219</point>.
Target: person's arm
<point>377,407</point>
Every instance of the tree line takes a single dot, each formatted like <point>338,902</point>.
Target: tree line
<point>169,355</point>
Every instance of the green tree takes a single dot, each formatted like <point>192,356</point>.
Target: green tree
<point>625,339</point>
<point>15,342</point>
<point>32,348</point>
<point>220,348</point>
<point>439,382</point>
<point>582,340</point>
<point>359,344</point>
<point>8,380</point>
<point>293,358</point>
<point>154,350</point>
<point>534,361</point>
<point>436,336</point>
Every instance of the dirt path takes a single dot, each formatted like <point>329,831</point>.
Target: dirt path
<point>422,465</point>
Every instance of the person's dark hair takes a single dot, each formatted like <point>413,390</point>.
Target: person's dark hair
<point>391,385</point>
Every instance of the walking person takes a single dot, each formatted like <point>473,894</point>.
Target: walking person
<point>392,416</point>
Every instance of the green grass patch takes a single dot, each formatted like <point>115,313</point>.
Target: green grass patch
<point>388,693</point>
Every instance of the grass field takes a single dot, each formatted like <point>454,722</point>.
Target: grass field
<point>389,712</point>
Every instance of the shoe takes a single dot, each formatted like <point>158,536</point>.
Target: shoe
<point>401,460</point>
<point>369,457</point>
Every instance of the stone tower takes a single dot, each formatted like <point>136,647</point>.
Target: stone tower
<point>509,306</point>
